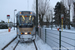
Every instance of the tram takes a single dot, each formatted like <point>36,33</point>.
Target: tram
<point>25,26</point>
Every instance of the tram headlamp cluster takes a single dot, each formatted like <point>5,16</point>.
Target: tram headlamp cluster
<point>22,33</point>
<point>29,33</point>
<point>26,33</point>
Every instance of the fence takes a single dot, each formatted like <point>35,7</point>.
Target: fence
<point>58,40</point>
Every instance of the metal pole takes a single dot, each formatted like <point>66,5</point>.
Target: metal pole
<point>45,35</point>
<point>8,25</point>
<point>62,24</point>
<point>40,32</point>
<point>37,16</point>
<point>69,3</point>
<point>14,19</point>
<point>59,40</point>
<point>69,16</point>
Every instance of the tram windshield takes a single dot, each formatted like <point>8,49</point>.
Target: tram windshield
<point>26,20</point>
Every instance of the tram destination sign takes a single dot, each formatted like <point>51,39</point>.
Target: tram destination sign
<point>8,16</point>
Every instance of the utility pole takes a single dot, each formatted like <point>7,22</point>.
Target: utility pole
<point>14,18</point>
<point>69,3</point>
<point>37,16</point>
<point>69,17</point>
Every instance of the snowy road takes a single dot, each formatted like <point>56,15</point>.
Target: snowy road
<point>6,37</point>
<point>29,46</point>
<point>12,45</point>
<point>26,46</point>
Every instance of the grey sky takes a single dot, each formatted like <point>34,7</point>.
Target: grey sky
<point>7,7</point>
<point>53,2</point>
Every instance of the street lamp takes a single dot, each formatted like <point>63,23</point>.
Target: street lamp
<point>14,18</point>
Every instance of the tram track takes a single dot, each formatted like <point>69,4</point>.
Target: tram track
<point>9,43</point>
<point>15,44</point>
<point>35,45</point>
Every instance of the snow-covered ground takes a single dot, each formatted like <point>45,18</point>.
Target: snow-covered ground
<point>6,37</point>
<point>71,28</point>
<point>52,38</point>
<point>72,31</point>
<point>25,46</point>
<point>30,46</point>
<point>5,30</point>
<point>41,45</point>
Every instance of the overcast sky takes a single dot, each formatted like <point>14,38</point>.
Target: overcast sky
<point>7,7</point>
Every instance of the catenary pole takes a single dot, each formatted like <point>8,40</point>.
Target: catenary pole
<point>36,15</point>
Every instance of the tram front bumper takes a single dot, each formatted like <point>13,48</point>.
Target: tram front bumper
<point>26,38</point>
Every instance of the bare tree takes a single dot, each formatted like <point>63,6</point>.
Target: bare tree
<point>43,8</point>
<point>74,16</point>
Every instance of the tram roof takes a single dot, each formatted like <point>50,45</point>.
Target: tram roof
<point>26,14</point>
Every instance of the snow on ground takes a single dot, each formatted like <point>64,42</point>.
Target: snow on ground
<point>71,28</point>
<point>67,37</point>
<point>5,30</point>
<point>25,46</point>
<point>6,37</point>
<point>1,30</point>
<point>30,46</point>
<point>12,45</point>
<point>41,45</point>
<point>72,31</point>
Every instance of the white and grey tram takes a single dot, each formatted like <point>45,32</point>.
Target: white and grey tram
<point>25,26</point>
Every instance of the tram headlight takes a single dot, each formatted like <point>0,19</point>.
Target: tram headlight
<point>26,33</point>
